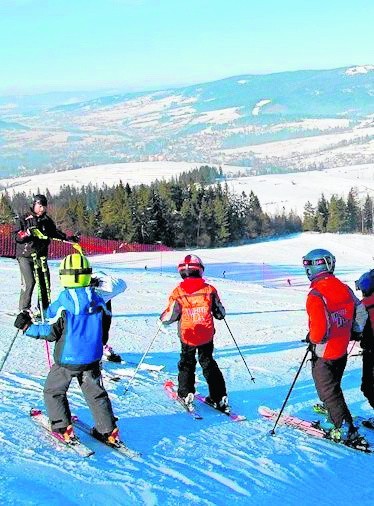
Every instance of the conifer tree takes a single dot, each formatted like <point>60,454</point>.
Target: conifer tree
<point>322,214</point>
<point>353,213</point>
<point>337,213</point>
<point>367,216</point>
<point>310,218</point>
<point>6,213</point>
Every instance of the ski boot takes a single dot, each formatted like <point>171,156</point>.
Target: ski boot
<point>109,438</point>
<point>188,400</point>
<point>348,435</point>
<point>222,405</point>
<point>368,422</point>
<point>109,354</point>
<point>68,434</point>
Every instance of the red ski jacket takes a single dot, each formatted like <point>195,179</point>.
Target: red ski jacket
<point>331,309</point>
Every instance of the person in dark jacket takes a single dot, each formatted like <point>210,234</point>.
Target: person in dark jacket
<point>366,285</point>
<point>194,303</point>
<point>33,234</point>
<point>75,324</point>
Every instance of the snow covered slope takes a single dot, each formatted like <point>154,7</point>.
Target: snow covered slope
<point>212,461</point>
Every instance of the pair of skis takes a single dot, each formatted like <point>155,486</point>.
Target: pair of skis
<point>171,391</point>
<point>310,428</point>
<point>75,444</point>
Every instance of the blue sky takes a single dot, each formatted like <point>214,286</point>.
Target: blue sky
<point>55,45</point>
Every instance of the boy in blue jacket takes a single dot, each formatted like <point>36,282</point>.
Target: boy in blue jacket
<point>75,324</point>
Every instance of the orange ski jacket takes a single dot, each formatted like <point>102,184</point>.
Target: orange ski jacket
<point>194,303</point>
<point>331,307</point>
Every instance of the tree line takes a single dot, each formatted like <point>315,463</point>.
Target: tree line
<point>338,215</point>
<point>195,209</point>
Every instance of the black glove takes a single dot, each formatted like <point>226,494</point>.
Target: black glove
<point>356,336</point>
<point>73,238</point>
<point>23,321</point>
<point>306,339</point>
<point>95,282</point>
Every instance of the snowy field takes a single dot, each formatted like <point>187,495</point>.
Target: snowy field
<point>133,173</point>
<point>292,191</point>
<point>277,192</point>
<point>213,461</point>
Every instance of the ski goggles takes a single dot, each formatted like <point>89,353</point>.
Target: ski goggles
<point>318,261</point>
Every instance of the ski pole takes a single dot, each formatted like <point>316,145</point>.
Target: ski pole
<point>44,267</point>
<point>40,303</point>
<point>7,353</point>
<point>141,361</point>
<point>272,432</point>
<point>236,344</point>
<point>75,245</point>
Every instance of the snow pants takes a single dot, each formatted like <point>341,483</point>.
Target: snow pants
<point>55,397</point>
<point>367,381</point>
<point>211,371</point>
<point>107,321</point>
<point>26,265</point>
<point>327,375</point>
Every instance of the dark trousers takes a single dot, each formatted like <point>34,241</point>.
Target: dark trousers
<point>211,371</point>
<point>107,321</point>
<point>367,381</point>
<point>327,375</point>
<point>55,397</point>
<point>27,269</point>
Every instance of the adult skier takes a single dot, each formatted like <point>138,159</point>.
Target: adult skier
<point>366,285</point>
<point>333,311</point>
<point>33,233</point>
<point>76,326</point>
<point>194,303</point>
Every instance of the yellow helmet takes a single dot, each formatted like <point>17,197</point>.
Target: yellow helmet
<point>75,271</point>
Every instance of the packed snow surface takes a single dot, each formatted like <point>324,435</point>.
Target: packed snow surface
<point>213,461</point>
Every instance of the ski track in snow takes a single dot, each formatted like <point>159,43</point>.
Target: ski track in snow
<point>213,461</point>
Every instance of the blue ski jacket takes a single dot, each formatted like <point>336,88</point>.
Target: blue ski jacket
<point>75,323</point>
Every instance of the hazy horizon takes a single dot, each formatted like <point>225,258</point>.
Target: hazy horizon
<point>135,45</point>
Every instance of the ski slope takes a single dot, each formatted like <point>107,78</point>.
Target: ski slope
<point>213,461</point>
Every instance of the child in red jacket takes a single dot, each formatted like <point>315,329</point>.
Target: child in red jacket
<point>334,312</point>
<point>194,303</point>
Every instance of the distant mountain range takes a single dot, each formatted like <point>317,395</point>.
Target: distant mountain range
<point>312,93</point>
<point>314,114</point>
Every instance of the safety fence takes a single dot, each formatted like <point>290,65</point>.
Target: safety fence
<point>90,245</point>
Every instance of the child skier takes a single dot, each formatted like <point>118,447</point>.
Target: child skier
<point>333,311</point>
<point>108,287</point>
<point>76,325</point>
<point>194,303</point>
<point>366,285</point>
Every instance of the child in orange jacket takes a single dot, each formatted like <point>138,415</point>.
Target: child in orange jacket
<point>194,303</point>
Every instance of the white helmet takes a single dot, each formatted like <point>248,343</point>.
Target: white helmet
<point>191,266</point>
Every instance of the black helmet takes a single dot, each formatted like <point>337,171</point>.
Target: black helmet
<point>40,199</point>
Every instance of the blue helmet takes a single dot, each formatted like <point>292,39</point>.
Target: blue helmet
<point>317,262</point>
<point>366,283</point>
